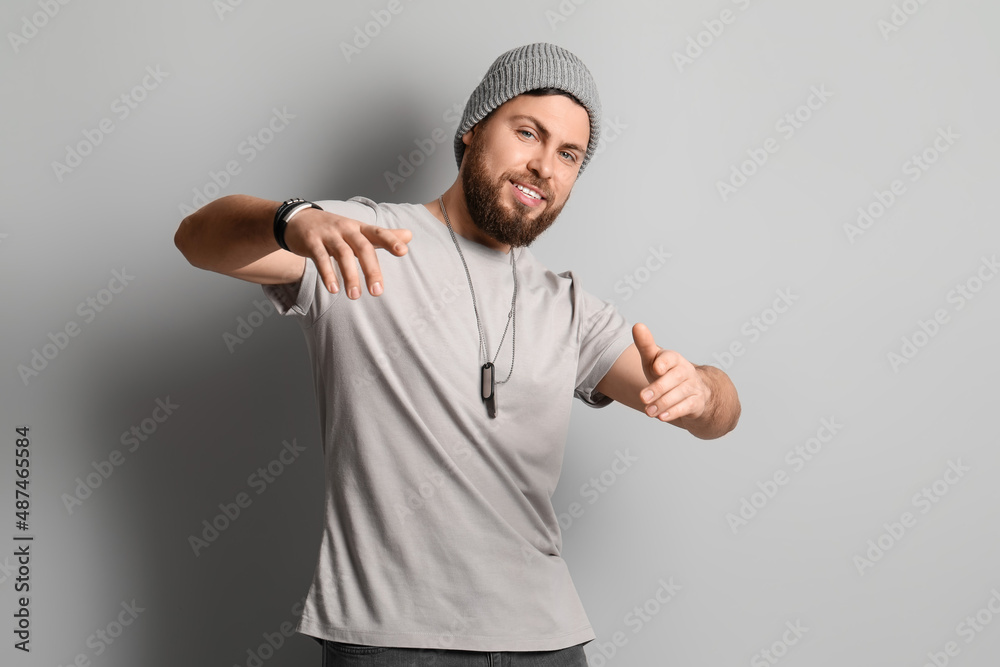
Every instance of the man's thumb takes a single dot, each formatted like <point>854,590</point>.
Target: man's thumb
<point>644,342</point>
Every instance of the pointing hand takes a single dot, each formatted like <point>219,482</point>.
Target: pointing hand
<point>676,389</point>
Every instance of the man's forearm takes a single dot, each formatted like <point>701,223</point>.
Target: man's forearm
<point>228,233</point>
<point>722,411</point>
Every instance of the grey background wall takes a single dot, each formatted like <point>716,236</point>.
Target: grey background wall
<point>821,175</point>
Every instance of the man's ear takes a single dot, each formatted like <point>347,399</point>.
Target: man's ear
<point>467,137</point>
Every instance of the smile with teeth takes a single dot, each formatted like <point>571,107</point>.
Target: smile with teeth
<point>528,191</point>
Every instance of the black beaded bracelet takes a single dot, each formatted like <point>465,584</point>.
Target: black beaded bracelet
<point>284,213</point>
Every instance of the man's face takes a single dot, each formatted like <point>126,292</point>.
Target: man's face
<point>530,142</point>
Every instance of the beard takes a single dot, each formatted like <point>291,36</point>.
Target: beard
<point>515,227</point>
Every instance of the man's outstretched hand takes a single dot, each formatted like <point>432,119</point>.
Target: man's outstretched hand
<point>676,388</point>
<point>319,235</point>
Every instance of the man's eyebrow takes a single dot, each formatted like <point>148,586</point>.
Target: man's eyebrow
<point>544,131</point>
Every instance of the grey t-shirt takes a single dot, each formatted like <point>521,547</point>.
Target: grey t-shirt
<point>440,530</point>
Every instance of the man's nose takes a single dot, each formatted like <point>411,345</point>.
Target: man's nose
<point>541,164</point>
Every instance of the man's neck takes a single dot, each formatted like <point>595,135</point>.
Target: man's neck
<point>461,221</point>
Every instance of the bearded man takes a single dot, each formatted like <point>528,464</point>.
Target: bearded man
<point>445,392</point>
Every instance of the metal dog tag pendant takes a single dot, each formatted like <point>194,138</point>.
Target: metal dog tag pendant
<point>489,387</point>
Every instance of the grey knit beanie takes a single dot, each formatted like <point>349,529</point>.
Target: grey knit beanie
<point>526,68</point>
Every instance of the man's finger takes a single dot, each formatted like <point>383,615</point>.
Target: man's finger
<point>364,250</point>
<point>677,402</point>
<point>669,401</point>
<point>663,384</point>
<point>683,408</point>
<point>344,254</point>
<point>666,361</point>
<point>393,240</point>
<point>644,342</point>
<point>324,264</point>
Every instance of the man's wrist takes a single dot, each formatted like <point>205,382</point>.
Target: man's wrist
<point>708,376</point>
<point>722,409</point>
<point>284,213</point>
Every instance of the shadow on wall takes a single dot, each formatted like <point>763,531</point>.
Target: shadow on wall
<point>220,509</point>
<point>219,500</point>
<point>393,151</point>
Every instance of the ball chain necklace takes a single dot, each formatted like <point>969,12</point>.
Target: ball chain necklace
<point>488,376</point>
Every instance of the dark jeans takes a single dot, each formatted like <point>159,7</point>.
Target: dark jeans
<point>337,654</point>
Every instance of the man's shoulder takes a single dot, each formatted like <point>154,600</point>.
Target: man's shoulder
<point>579,289</point>
<point>565,282</point>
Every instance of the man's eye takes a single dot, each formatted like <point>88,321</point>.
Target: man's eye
<point>527,132</point>
<point>570,156</point>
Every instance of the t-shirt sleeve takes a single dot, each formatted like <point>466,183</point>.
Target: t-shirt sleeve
<point>307,298</point>
<point>603,335</point>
